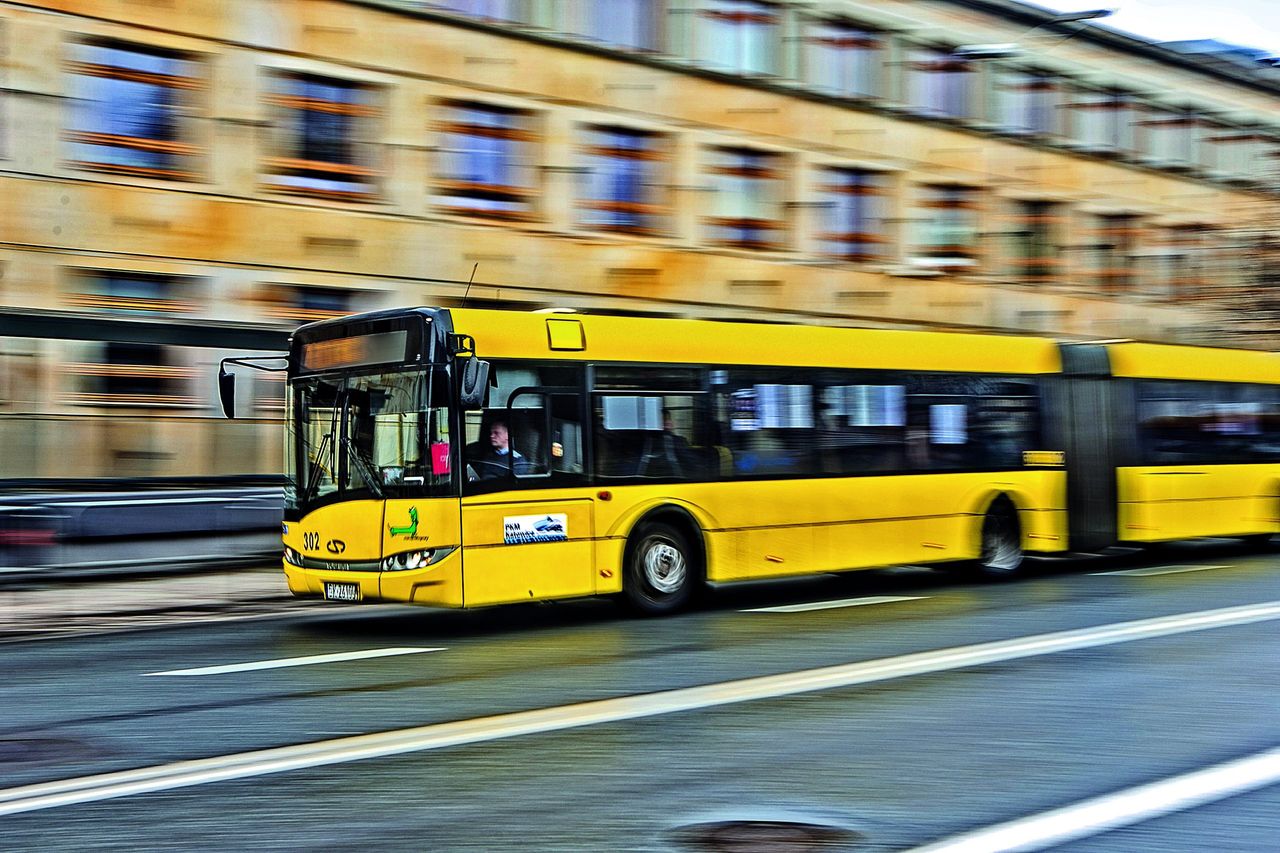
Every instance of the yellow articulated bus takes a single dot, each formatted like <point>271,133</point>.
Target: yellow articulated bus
<point>463,458</point>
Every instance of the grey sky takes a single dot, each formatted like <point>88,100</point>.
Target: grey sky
<point>1251,23</point>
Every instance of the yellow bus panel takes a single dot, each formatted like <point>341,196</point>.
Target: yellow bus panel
<point>1157,504</point>
<point>509,334</point>
<point>1209,364</point>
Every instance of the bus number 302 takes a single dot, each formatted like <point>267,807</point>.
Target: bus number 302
<point>311,541</point>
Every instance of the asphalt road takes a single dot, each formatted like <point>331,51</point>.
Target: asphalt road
<point>867,755</point>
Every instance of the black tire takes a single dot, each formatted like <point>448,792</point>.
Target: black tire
<point>1001,556</point>
<point>1256,541</point>
<point>662,569</point>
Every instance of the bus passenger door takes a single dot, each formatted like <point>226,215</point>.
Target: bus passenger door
<point>527,517</point>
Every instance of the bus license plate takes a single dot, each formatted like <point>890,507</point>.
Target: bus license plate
<point>342,591</point>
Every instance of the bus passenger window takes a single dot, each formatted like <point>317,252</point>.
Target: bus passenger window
<point>767,422</point>
<point>649,437</point>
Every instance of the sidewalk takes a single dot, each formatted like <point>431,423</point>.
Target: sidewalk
<point>75,606</point>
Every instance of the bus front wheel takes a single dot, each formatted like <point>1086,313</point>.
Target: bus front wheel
<point>661,569</point>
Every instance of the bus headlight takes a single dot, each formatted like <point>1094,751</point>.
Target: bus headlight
<point>407,560</point>
<point>292,557</point>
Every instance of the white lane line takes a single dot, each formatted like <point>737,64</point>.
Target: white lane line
<point>1123,808</point>
<point>829,605</point>
<point>245,765</point>
<point>302,661</point>
<point>1160,570</point>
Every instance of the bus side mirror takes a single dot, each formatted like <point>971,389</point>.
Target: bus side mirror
<point>473,383</point>
<point>227,392</point>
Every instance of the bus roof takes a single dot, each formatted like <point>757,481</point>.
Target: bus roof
<point>513,334</point>
<point>1210,364</point>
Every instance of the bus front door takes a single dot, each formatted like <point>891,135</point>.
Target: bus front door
<point>533,539</point>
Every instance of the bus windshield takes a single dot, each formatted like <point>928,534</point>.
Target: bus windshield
<point>371,435</point>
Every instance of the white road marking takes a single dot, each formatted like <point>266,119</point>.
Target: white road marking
<point>829,605</point>
<point>245,765</point>
<point>1160,570</point>
<point>302,661</point>
<point>1123,808</point>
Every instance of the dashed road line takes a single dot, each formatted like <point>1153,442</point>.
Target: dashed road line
<point>308,660</point>
<point>1151,571</point>
<point>831,605</point>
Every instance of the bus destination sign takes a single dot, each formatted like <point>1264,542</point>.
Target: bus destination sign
<point>355,351</point>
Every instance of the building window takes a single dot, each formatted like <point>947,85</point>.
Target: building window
<point>1115,252</point>
<point>1208,131</point>
<point>132,293</point>
<point>948,226</point>
<point>941,84</point>
<point>625,24</point>
<point>485,153</point>
<point>1168,137</point>
<point>1036,242</point>
<point>131,110</point>
<point>1239,152</point>
<point>738,36</point>
<point>1102,121</point>
<point>484,10</point>
<point>748,202</point>
<point>132,374</point>
<point>843,59</point>
<point>324,136</point>
<point>1182,261</point>
<point>301,303</point>
<point>622,186</point>
<point>123,372</point>
<point>1027,103</point>
<point>853,214</point>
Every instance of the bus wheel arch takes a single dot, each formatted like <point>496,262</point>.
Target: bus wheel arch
<point>1271,512</point>
<point>664,562</point>
<point>999,533</point>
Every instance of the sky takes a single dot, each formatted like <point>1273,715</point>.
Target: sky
<point>1251,23</point>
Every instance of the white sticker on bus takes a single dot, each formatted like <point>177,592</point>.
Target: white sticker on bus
<point>523,529</point>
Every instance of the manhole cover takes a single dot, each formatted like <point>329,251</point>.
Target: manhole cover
<point>765,836</point>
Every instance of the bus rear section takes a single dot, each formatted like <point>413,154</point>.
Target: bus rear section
<point>1167,443</point>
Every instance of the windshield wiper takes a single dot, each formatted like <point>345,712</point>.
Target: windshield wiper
<point>367,469</point>
<point>313,481</point>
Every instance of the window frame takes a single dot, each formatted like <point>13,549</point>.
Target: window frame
<point>364,179</point>
<point>861,37</point>
<point>772,166</point>
<point>656,210</point>
<point>183,148</point>
<point>455,195</point>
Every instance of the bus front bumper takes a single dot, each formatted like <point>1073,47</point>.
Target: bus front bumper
<point>439,585</point>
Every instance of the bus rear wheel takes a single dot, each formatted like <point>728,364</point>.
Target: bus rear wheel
<point>1001,557</point>
<point>1256,541</point>
<point>661,569</point>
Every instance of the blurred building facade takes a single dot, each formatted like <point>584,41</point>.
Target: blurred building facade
<point>188,179</point>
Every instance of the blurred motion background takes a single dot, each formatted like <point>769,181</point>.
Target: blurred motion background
<point>191,179</point>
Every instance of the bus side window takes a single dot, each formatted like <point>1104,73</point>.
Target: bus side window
<point>651,436</point>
